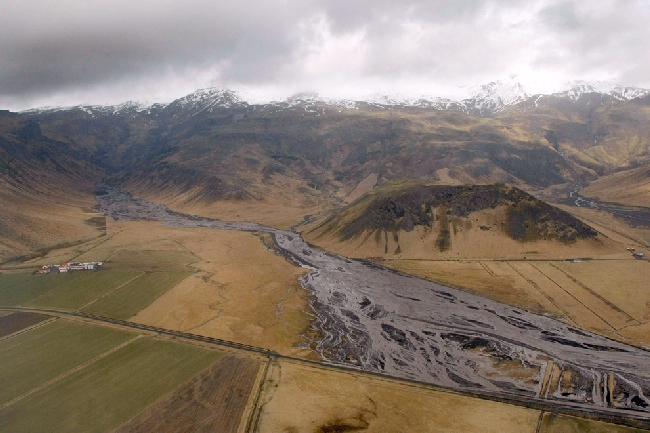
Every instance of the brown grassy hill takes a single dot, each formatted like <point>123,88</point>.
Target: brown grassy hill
<point>451,222</point>
<point>630,187</point>
<point>594,131</point>
<point>220,156</point>
<point>46,191</point>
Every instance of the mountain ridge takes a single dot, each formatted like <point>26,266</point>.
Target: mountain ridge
<point>483,100</point>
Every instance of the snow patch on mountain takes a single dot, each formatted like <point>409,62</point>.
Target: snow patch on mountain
<point>575,89</point>
<point>494,97</point>
<point>206,100</point>
<point>314,99</point>
<point>485,100</point>
<point>424,101</point>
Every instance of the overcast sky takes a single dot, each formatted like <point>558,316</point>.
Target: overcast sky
<point>67,52</point>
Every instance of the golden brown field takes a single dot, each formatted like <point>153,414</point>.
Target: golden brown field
<point>241,291</point>
<point>298,398</point>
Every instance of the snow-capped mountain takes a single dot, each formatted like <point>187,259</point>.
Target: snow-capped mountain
<point>205,100</point>
<point>383,99</point>
<point>315,99</point>
<point>576,89</point>
<point>485,100</point>
<point>494,97</point>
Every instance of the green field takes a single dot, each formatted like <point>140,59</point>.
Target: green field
<point>8,280</point>
<point>88,287</point>
<point>34,286</point>
<point>110,391</point>
<point>39,355</point>
<point>128,300</point>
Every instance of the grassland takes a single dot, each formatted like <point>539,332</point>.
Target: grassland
<point>135,257</point>
<point>129,299</point>
<point>108,392</point>
<point>242,291</point>
<point>237,289</point>
<point>80,291</point>
<point>555,423</point>
<point>41,354</point>
<point>481,236</point>
<point>213,400</point>
<point>297,398</point>
<point>8,280</point>
<point>33,287</point>
<point>39,218</point>
<point>630,187</point>
<point>612,227</point>
<point>138,269</point>
<point>283,203</point>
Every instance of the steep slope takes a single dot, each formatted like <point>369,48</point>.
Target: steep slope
<point>45,190</point>
<point>213,152</point>
<point>440,221</point>
<point>630,187</point>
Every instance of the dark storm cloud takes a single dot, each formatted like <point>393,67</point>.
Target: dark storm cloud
<point>80,47</point>
<point>90,47</point>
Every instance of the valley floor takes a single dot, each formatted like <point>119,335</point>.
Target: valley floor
<point>232,286</point>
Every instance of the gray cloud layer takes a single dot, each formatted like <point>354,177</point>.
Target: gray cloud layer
<point>71,51</point>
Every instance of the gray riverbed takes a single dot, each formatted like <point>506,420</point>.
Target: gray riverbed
<point>381,321</point>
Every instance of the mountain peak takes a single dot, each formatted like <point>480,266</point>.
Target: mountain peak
<point>575,89</point>
<point>495,96</point>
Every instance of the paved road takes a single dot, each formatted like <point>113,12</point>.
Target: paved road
<point>384,322</point>
<point>570,408</point>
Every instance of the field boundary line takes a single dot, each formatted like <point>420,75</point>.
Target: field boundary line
<point>108,238</point>
<point>109,292</point>
<point>29,328</point>
<point>588,289</point>
<point>611,415</point>
<point>256,411</point>
<point>70,372</point>
<point>540,421</point>
<point>487,269</point>
<point>539,289</point>
<point>578,300</point>
<point>65,284</point>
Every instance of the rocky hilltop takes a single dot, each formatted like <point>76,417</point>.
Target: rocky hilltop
<point>526,217</point>
<point>439,220</point>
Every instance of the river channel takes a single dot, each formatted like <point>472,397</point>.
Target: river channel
<point>635,216</point>
<point>384,322</point>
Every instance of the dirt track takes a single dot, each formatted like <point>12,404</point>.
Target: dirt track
<point>388,323</point>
